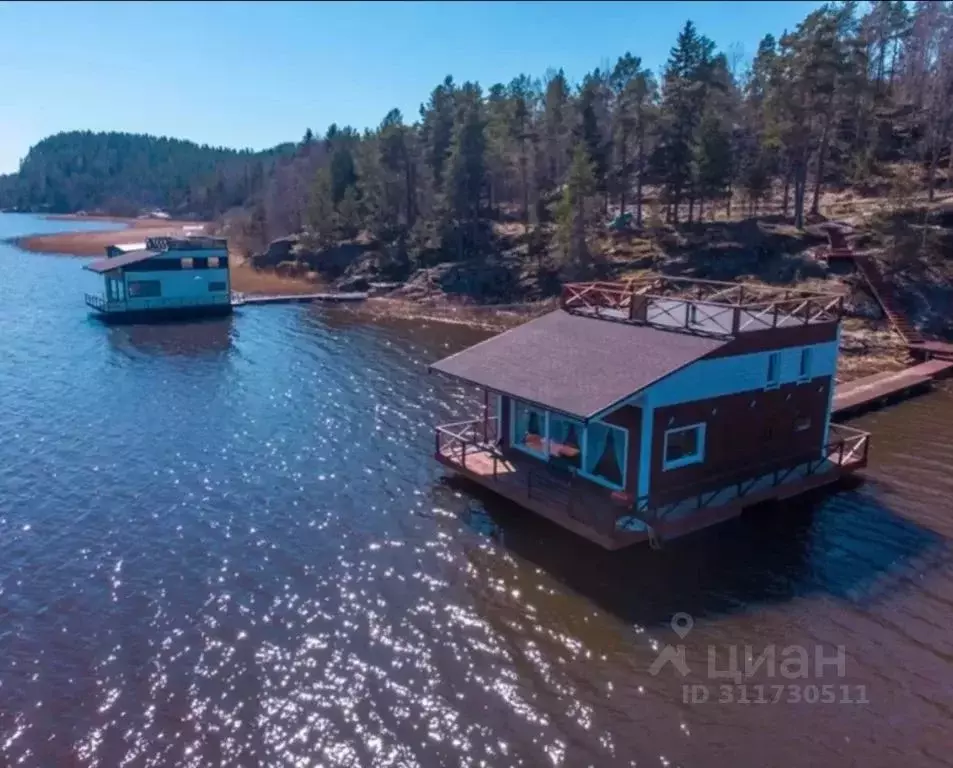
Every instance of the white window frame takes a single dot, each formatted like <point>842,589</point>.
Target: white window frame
<point>804,364</point>
<point>776,358</point>
<point>625,456</point>
<point>696,458</point>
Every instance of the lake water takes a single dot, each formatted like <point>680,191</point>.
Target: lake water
<point>227,544</point>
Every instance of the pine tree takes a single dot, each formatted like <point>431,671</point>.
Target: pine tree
<point>349,214</point>
<point>687,78</point>
<point>634,91</point>
<point>556,127</point>
<point>466,170</point>
<point>594,130</point>
<point>575,212</point>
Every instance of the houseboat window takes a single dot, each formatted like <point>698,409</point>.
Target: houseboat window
<point>605,454</point>
<point>529,428</point>
<point>216,286</point>
<point>774,369</point>
<point>187,263</point>
<point>565,440</point>
<point>804,372</point>
<point>684,446</point>
<point>802,423</point>
<point>213,262</point>
<point>145,289</point>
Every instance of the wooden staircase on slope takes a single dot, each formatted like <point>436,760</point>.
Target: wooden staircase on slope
<point>881,290</point>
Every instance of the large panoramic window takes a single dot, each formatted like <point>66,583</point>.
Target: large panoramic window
<point>605,454</point>
<point>684,446</point>
<point>565,440</point>
<point>144,289</point>
<point>529,428</point>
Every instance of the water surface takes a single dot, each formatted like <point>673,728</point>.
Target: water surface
<point>226,544</point>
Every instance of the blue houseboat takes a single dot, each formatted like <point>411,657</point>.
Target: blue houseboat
<point>163,278</point>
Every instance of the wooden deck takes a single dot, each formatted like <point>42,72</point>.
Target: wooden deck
<point>938,350</point>
<point>239,300</point>
<point>616,520</point>
<point>582,510</point>
<point>874,390</point>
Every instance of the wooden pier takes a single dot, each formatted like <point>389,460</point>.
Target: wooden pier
<point>873,391</point>
<point>239,300</point>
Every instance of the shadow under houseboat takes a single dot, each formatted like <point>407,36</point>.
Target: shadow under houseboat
<point>187,338</point>
<point>775,552</point>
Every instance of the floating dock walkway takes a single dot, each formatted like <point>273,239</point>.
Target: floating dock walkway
<point>239,300</point>
<point>873,391</point>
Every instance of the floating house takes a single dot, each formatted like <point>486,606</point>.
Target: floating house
<point>649,409</point>
<point>164,277</point>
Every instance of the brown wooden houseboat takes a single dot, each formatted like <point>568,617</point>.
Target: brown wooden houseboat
<point>649,409</point>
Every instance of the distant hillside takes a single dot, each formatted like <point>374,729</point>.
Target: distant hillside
<point>121,173</point>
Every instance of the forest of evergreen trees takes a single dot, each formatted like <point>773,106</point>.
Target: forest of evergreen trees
<point>835,102</point>
<point>122,173</point>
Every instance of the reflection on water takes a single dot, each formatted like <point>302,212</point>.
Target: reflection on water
<point>195,338</point>
<point>227,544</point>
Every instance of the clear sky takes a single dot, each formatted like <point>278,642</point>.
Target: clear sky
<point>256,74</point>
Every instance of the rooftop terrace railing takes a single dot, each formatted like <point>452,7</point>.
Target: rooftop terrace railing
<point>704,307</point>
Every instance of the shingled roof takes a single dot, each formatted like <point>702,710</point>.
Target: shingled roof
<point>576,365</point>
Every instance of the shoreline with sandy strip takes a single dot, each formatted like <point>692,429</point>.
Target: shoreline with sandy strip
<point>93,243</point>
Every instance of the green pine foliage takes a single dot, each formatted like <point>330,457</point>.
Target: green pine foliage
<point>850,92</point>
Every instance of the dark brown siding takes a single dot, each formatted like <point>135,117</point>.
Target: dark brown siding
<point>742,430</point>
<point>748,342</point>
<point>629,417</point>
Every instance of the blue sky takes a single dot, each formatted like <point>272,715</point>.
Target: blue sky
<point>255,74</point>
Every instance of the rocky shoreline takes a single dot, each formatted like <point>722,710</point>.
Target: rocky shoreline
<point>867,346</point>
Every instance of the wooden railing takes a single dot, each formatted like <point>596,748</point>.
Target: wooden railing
<point>848,450</point>
<point>463,439</point>
<point>701,306</point>
<point>458,440</point>
<point>97,302</point>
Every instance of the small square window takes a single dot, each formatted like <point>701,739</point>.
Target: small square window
<point>804,370</point>
<point>684,446</point>
<point>774,369</point>
<point>187,263</point>
<point>213,262</point>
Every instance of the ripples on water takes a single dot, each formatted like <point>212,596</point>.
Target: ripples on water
<point>226,544</point>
